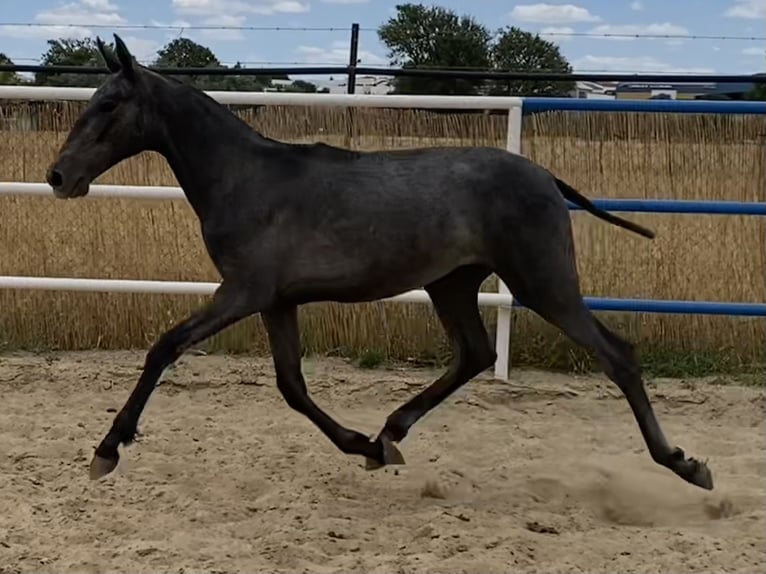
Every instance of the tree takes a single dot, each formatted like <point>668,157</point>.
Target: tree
<point>186,53</point>
<point>71,52</point>
<point>434,37</point>
<point>757,92</point>
<point>7,78</point>
<point>515,50</point>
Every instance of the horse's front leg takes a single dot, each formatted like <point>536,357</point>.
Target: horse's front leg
<point>230,304</point>
<point>284,337</point>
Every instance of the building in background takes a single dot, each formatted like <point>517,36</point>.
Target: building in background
<point>376,85</point>
<point>594,90</point>
<point>683,91</point>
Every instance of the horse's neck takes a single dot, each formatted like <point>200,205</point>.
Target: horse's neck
<point>201,143</point>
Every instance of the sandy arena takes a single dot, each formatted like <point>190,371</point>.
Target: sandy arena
<point>548,474</point>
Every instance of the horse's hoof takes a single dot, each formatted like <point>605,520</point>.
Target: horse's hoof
<point>100,466</point>
<point>701,475</point>
<point>391,455</point>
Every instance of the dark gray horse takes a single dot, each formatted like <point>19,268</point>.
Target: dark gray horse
<point>289,224</point>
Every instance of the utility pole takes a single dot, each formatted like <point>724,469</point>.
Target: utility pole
<point>353,58</point>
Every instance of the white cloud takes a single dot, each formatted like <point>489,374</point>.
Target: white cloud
<point>235,7</point>
<point>631,64</point>
<point>754,51</point>
<point>99,4</point>
<point>78,16</point>
<point>45,32</point>
<point>636,6</point>
<point>748,9</point>
<point>174,24</point>
<point>143,49</point>
<point>552,14</point>
<point>337,53</point>
<point>344,1</point>
<point>223,20</point>
<point>556,33</point>
<point>84,13</point>
<point>632,31</point>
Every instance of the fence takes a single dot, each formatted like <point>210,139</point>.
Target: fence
<point>515,107</point>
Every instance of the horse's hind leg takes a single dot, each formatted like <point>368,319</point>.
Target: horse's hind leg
<point>543,277</point>
<point>455,300</point>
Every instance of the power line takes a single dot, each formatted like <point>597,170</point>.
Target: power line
<point>364,29</point>
<point>651,36</point>
<point>177,27</point>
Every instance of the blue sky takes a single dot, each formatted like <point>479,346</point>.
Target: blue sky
<point>687,18</point>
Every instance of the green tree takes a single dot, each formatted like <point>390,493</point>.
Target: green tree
<point>515,50</point>
<point>71,52</point>
<point>186,53</point>
<point>434,37</point>
<point>302,86</point>
<point>757,92</point>
<point>8,77</point>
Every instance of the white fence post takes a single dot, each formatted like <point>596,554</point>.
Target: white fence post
<point>503,331</point>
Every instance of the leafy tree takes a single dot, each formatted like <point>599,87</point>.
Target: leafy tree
<point>435,37</point>
<point>8,77</point>
<point>303,86</point>
<point>757,92</point>
<point>186,53</point>
<point>519,51</point>
<point>71,52</point>
<point>179,53</point>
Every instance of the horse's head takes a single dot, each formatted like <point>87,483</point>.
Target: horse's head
<point>112,127</point>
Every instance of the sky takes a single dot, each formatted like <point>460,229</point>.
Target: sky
<point>686,19</point>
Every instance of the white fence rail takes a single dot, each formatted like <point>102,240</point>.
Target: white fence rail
<point>502,300</point>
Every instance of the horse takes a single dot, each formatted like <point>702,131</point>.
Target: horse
<point>289,224</point>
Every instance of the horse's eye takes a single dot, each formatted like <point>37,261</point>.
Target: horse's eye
<point>107,106</point>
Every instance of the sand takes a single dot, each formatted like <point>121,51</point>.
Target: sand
<point>548,474</point>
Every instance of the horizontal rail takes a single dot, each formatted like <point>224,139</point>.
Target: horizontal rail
<point>97,190</point>
<point>532,105</point>
<point>678,206</point>
<point>414,296</point>
<point>528,104</point>
<point>50,93</point>
<point>183,288</point>
<point>675,306</point>
<point>424,72</point>
<point>159,192</point>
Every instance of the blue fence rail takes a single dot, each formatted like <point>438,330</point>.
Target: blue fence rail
<point>721,107</point>
<point>672,307</point>
<point>536,105</point>
<point>678,206</point>
<point>668,306</point>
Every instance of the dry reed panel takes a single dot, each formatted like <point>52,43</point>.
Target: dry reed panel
<point>605,155</point>
<point>709,257</point>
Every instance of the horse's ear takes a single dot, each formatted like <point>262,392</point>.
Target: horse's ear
<point>127,63</point>
<point>109,59</point>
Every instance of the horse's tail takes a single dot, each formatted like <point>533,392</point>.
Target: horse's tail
<point>575,196</point>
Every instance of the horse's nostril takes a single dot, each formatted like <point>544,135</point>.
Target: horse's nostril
<point>55,179</point>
